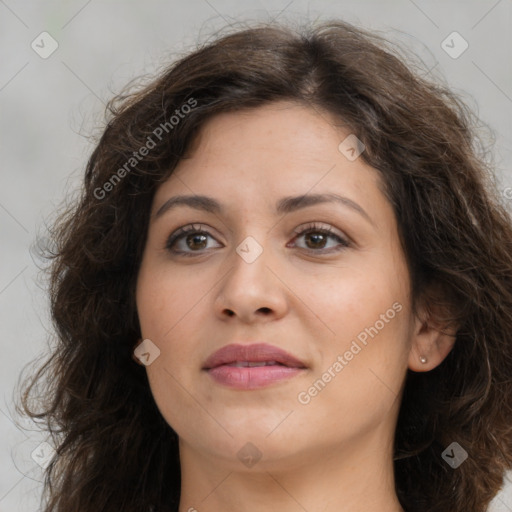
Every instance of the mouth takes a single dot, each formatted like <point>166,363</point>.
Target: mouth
<point>252,366</point>
<point>256,354</point>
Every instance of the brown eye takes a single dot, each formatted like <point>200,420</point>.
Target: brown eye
<point>317,237</point>
<point>198,238</point>
<point>189,240</point>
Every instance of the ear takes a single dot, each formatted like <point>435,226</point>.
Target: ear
<point>433,337</point>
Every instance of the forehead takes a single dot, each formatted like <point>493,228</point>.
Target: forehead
<point>282,146</point>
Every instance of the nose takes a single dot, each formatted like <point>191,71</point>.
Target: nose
<point>251,290</point>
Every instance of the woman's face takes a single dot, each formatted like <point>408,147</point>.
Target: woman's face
<point>262,269</point>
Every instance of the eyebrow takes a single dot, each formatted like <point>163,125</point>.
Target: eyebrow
<point>283,206</point>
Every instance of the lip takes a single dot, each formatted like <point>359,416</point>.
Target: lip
<point>219,365</point>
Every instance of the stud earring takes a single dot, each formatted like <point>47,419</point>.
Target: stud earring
<point>423,359</point>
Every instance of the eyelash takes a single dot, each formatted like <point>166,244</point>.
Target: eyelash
<point>309,228</point>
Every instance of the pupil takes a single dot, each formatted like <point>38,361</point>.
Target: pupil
<point>316,237</point>
<point>195,237</point>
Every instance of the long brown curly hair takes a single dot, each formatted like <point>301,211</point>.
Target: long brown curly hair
<point>114,450</point>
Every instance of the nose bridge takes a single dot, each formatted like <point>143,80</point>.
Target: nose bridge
<point>250,258</point>
<point>250,249</point>
<point>249,285</point>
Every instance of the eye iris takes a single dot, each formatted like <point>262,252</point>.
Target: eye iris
<point>195,237</point>
<point>316,238</point>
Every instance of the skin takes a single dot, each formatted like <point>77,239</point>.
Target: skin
<point>333,453</point>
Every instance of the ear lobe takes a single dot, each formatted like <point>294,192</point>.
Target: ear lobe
<point>432,340</point>
<point>429,348</point>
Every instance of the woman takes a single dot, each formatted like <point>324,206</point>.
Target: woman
<point>287,286</point>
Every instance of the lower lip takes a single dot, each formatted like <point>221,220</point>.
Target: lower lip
<point>251,377</point>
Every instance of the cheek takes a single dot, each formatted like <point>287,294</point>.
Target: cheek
<point>167,306</point>
<point>361,370</point>
<point>364,319</point>
<point>349,300</point>
<point>166,299</point>
<point>170,309</point>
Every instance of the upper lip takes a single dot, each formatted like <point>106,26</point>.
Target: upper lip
<point>257,352</point>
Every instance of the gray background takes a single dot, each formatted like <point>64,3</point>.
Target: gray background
<point>49,106</point>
